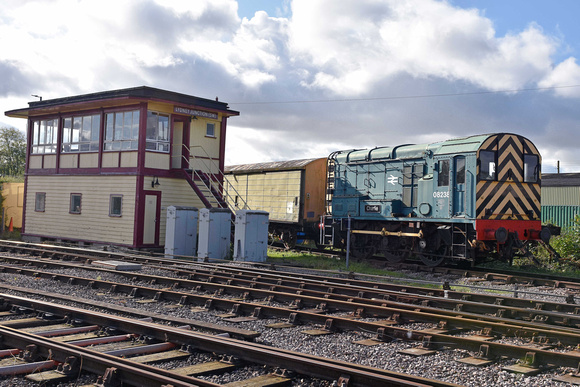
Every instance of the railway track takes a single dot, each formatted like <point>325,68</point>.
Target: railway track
<point>500,276</point>
<point>356,297</point>
<point>497,275</point>
<point>53,346</point>
<point>542,334</point>
<point>505,276</point>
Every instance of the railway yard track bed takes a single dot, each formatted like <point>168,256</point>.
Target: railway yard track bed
<point>444,335</point>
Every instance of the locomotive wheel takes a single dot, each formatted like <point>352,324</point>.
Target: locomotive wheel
<point>433,258</point>
<point>396,256</point>
<point>394,249</point>
<point>361,247</point>
<point>362,252</point>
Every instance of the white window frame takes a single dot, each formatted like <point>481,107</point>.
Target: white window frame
<point>44,136</point>
<point>112,198</point>
<point>122,130</point>
<point>81,133</point>
<point>210,130</point>
<point>157,133</point>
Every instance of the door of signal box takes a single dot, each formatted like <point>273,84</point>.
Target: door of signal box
<point>180,136</point>
<point>151,216</point>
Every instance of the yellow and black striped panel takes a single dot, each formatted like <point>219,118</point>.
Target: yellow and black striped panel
<point>510,163</point>
<point>508,197</point>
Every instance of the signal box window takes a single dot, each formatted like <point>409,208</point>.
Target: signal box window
<point>122,131</point>
<point>443,179</point>
<point>116,205</point>
<point>487,165</point>
<point>40,201</point>
<point>44,136</point>
<point>531,168</point>
<point>210,130</point>
<point>81,134</point>
<point>157,132</point>
<point>75,203</point>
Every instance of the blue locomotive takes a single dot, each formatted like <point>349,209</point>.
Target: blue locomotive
<point>461,199</point>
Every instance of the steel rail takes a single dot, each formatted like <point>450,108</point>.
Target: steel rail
<point>348,279</point>
<point>256,353</point>
<point>509,277</point>
<point>131,373</point>
<point>397,313</point>
<point>374,293</point>
<point>357,296</point>
<point>243,334</point>
<point>543,311</point>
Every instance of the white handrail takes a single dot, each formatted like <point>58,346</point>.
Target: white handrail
<point>208,166</point>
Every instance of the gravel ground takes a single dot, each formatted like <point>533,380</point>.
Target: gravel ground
<point>442,365</point>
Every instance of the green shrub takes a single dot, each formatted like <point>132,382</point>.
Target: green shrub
<point>568,244</point>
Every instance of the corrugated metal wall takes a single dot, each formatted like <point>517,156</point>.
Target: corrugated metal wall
<point>560,196</point>
<point>277,192</point>
<point>562,216</point>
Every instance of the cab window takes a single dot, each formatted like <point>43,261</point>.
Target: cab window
<point>487,165</point>
<point>443,179</point>
<point>460,170</point>
<point>531,168</point>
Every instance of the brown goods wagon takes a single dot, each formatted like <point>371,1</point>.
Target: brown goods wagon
<point>292,192</point>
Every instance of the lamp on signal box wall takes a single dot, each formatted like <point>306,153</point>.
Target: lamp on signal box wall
<point>155,182</point>
<point>193,118</point>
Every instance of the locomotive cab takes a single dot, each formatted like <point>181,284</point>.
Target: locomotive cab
<point>508,194</point>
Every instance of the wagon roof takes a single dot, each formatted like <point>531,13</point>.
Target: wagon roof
<point>269,166</point>
<point>560,179</point>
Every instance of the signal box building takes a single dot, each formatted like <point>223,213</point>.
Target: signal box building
<point>102,168</point>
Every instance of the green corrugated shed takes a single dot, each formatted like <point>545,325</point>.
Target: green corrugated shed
<point>562,216</point>
<point>560,196</point>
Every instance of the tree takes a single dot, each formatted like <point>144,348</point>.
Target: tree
<point>12,152</point>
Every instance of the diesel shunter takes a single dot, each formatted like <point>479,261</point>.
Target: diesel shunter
<point>461,199</point>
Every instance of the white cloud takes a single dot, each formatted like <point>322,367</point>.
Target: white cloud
<point>325,50</point>
<point>355,43</point>
<point>246,146</point>
<point>252,54</point>
<point>565,73</point>
<point>340,47</point>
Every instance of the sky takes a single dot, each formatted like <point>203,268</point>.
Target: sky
<point>310,77</point>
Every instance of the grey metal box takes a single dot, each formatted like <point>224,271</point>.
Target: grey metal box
<point>181,231</point>
<point>215,228</point>
<point>251,236</point>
